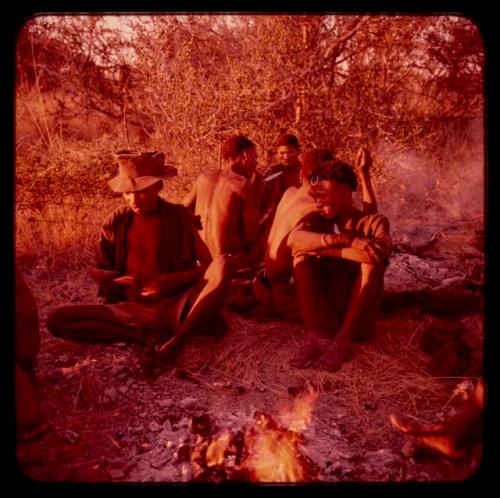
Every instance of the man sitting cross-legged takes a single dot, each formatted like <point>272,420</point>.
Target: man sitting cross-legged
<point>339,258</point>
<point>154,271</point>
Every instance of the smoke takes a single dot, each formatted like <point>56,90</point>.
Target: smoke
<point>421,194</point>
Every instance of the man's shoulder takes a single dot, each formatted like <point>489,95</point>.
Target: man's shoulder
<point>118,215</point>
<point>177,211</point>
<point>173,208</point>
<point>375,218</point>
<point>374,222</point>
<point>295,195</point>
<point>236,182</point>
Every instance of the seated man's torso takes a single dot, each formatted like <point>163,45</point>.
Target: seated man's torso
<point>294,206</point>
<point>143,245</point>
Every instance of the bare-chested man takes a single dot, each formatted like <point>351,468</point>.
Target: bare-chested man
<point>339,259</point>
<point>155,273</point>
<point>274,286</point>
<point>225,200</point>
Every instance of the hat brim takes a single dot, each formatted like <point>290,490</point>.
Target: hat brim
<point>123,184</point>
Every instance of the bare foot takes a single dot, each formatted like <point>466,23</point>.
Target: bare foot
<point>334,355</point>
<point>408,426</point>
<point>429,436</point>
<point>308,354</point>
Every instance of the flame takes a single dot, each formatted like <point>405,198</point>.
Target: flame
<point>273,455</point>
<point>216,449</point>
<point>266,452</point>
<point>299,416</point>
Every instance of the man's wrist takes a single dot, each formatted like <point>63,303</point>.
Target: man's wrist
<point>329,240</point>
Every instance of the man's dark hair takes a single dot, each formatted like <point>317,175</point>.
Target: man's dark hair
<point>288,139</point>
<point>234,146</point>
<point>318,162</point>
<point>315,159</point>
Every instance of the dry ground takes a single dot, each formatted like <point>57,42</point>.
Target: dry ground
<point>108,421</point>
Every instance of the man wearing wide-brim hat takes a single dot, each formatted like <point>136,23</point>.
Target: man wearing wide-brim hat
<point>154,272</point>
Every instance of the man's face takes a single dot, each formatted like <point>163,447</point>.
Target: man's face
<point>287,155</point>
<point>331,197</point>
<point>143,201</point>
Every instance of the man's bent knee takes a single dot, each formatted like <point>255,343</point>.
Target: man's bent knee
<point>372,274</point>
<point>219,270</point>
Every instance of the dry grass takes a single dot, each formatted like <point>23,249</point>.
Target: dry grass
<point>385,376</point>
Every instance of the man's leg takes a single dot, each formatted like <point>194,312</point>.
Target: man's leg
<point>450,436</point>
<point>359,318</point>
<point>198,305</point>
<point>316,318</point>
<point>313,282</point>
<point>89,323</point>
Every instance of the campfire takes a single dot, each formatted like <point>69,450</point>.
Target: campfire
<point>262,451</point>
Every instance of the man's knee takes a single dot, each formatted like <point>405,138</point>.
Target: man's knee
<point>219,271</point>
<point>303,260</point>
<point>372,275</point>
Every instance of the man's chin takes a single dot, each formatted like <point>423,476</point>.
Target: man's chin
<point>325,212</point>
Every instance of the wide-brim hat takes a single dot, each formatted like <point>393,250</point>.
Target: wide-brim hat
<point>137,171</point>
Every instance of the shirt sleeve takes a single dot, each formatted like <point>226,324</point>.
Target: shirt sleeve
<point>378,228</point>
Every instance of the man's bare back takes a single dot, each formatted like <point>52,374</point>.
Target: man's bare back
<point>222,200</point>
<point>295,204</point>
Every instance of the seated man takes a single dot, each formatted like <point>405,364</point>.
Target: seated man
<point>274,287</point>
<point>225,200</point>
<point>29,420</point>
<point>153,270</point>
<point>339,258</point>
<point>276,180</point>
<point>452,437</point>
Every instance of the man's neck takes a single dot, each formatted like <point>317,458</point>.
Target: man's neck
<point>151,213</point>
<point>237,168</point>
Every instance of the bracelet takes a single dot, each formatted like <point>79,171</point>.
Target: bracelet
<point>323,241</point>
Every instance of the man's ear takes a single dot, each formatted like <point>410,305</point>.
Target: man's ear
<point>302,178</point>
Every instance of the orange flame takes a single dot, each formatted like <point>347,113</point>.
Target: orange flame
<point>267,453</point>
<point>216,449</point>
<point>299,416</point>
<point>272,451</point>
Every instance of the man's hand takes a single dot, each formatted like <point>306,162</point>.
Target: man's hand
<point>151,288</point>
<point>363,161</point>
<point>103,277</point>
<point>127,280</point>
